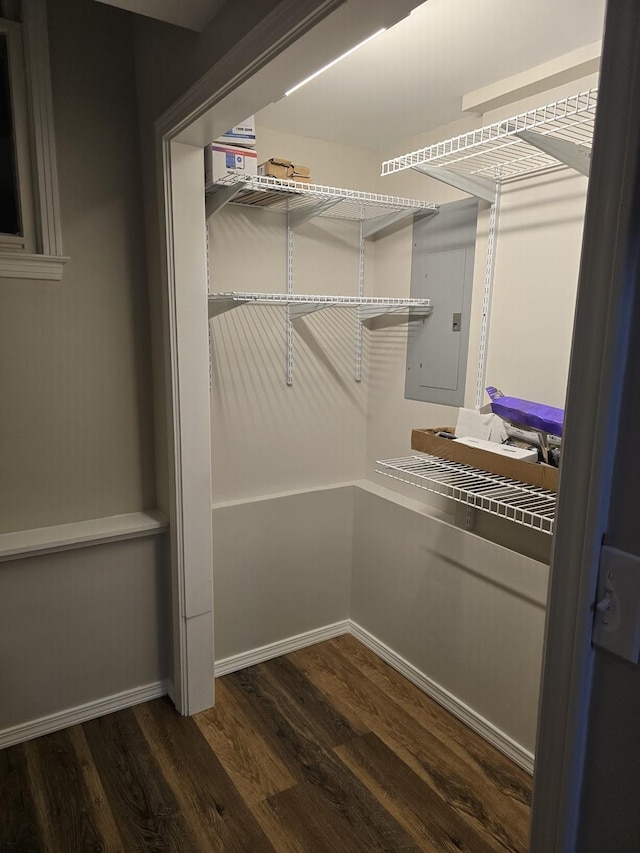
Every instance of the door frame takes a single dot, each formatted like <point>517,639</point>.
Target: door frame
<point>596,376</point>
<point>180,136</point>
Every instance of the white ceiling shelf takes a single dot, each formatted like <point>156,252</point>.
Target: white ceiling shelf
<point>510,499</point>
<point>300,304</point>
<point>556,134</point>
<point>306,201</point>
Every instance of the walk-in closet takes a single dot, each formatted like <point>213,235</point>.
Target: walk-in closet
<point>438,232</point>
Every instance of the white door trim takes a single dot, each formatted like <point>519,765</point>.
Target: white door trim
<point>596,376</point>
<point>191,686</point>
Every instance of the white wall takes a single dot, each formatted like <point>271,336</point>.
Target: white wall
<point>282,566</point>
<point>330,164</point>
<point>268,437</point>
<point>75,380</point>
<point>80,627</point>
<point>466,612</point>
<point>536,277</point>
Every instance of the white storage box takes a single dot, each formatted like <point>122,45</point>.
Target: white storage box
<point>222,161</point>
<point>242,134</point>
<point>501,449</point>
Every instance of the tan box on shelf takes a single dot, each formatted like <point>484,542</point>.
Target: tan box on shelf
<point>276,167</point>
<point>300,173</point>
<point>284,170</point>
<point>426,441</point>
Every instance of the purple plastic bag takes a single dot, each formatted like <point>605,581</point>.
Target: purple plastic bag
<point>524,412</point>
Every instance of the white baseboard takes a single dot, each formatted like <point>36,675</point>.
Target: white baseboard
<point>81,713</point>
<point>281,647</point>
<point>522,757</point>
<point>471,718</point>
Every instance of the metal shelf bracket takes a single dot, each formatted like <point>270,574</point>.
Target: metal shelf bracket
<point>221,305</point>
<point>298,216</point>
<point>479,187</point>
<point>223,195</point>
<point>305,308</point>
<point>370,312</point>
<point>577,157</point>
<point>372,227</point>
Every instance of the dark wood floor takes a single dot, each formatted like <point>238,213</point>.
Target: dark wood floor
<point>326,749</point>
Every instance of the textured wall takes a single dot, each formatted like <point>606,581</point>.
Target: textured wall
<point>75,374</point>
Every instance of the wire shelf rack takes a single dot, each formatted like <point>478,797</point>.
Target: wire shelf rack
<point>335,202</point>
<point>496,150</point>
<point>510,499</point>
<point>300,303</point>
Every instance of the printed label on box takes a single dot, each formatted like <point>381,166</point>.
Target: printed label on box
<point>234,161</point>
<point>224,161</point>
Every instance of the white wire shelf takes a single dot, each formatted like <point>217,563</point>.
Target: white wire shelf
<point>513,148</point>
<point>300,304</point>
<point>510,499</point>
<point>311,200</point>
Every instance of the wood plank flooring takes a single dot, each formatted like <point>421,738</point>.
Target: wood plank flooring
<point>325,750</point>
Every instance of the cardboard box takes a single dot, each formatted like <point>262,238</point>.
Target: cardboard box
<point>284,170</point>
<point>276,167</point>
<point>243,134</point>
<point>426,441</point>
<point>222,161</point>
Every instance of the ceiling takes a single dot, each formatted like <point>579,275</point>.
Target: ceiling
<point>411,79</point>
<point>192,14</point>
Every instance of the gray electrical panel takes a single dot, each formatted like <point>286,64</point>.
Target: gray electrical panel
<point>442,271</point>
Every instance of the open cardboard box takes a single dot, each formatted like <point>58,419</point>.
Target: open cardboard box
<point>426,441</point>
<point>284,170</point>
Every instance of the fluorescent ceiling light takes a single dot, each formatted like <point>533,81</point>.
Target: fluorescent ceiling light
<point>334,62</point>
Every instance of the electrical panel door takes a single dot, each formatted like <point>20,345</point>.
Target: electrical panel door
<point>443,272</point>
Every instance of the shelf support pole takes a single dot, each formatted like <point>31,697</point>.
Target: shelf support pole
<point>479,187</point>
<point>358,330</point>
<point>489,269</point>
<point>288,317</point>
<point>577,157</point>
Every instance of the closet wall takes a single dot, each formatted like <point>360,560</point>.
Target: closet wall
<point>536,270</point>
<point>283,524</point>
<point>267,437</point>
